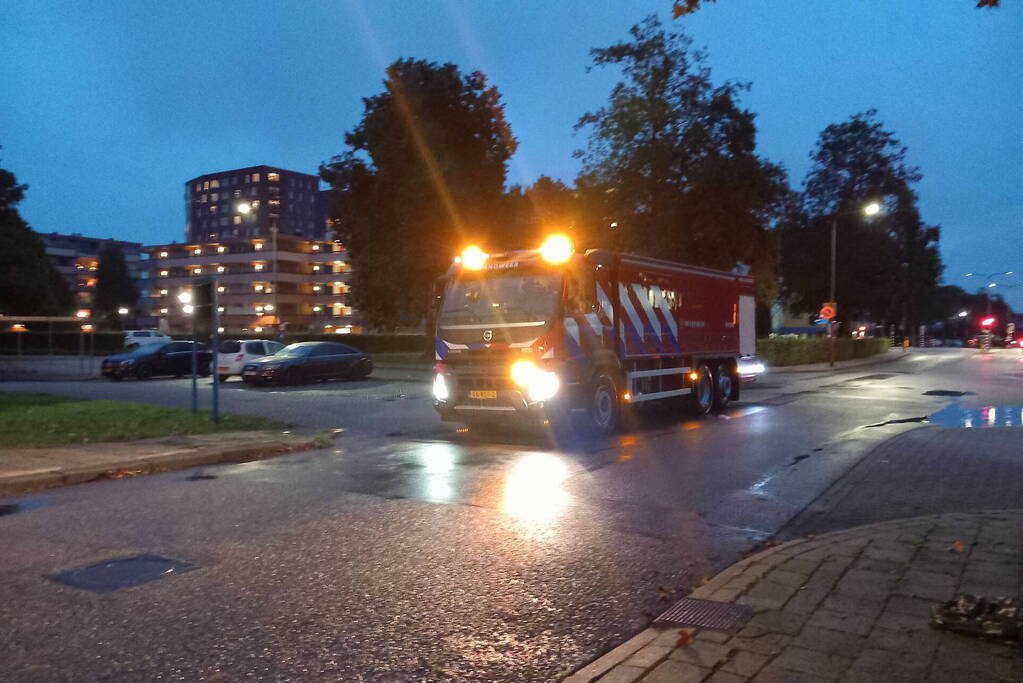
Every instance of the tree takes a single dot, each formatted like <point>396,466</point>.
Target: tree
<point>423,176</point>
<point>114,287</point>
<point>886,267</point>
<point>681,8</point>
<point>677,158</point>
<point>29,283</point>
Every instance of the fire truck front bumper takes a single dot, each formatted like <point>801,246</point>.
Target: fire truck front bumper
<point>481,398</point>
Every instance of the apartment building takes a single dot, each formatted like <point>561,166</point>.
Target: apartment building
<point>76,258</point>
<point>261,282</point>
<point>251,202</point>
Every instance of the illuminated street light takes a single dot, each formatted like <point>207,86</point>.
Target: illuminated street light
<point>244,207</point>
<point>82,314</point>
<point>188,308</point>
<point>962,314</point>
<point>122,310</point>
<point>185,297</point>
<point>872,209</point>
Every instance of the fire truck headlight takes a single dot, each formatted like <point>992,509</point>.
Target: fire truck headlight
<point>440,388</point>
<point>473,258</point>
<point>556,249</point>
<point>522,372</point>
<point>542,386</point>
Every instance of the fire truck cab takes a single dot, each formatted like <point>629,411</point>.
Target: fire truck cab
<point>535,334</point>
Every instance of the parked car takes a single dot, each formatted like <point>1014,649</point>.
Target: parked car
<point>305,361</point>
<point>174,358</point>
<point>143,337</point>
<point>234,354</point>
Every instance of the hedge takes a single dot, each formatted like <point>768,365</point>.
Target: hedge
<point>780,351</point>
<point>64,343</point>
<point>106,343</point>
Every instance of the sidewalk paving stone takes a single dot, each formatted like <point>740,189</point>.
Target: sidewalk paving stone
<point>851,605</point>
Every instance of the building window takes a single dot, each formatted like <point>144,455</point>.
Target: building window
<point>223,222</point>
<point>257,245</point>
<point>163,311</point>
<point>258,266</point>
<point>163,273</point>
<point>164,254</point>
<point>254,204</point>
<point>206,185</point>
<point>221,269</point>
<point>197,271</point>
<point>214,183</point>
<point>255,177</point>
<point>221,249</point>
<point>198,187</point>
<point>273,177</point>
<point>221,289</point>
<point>275,202</point>
<point>197,251</point>
<point>214,196</point>
<point>202,199</point>
<point>237,220</point>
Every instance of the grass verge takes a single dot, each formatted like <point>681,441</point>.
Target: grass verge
<point>36,420</point>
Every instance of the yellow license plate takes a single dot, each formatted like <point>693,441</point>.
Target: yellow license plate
<point>482,394</point>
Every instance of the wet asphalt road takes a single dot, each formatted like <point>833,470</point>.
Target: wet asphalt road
<point>411,551</point>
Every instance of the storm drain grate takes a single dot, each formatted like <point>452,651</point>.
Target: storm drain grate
<point>716,616</point>
<point>106,577</point>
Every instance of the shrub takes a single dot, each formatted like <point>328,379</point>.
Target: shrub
<point>781,351</point>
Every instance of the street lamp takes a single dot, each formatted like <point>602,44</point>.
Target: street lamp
<point>122,311</point>
<point>989,283</point>
<point>871,209</point>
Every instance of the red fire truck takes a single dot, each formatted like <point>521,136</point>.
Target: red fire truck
<point>536,333</point>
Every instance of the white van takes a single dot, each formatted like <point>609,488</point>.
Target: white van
<point>143,337</point>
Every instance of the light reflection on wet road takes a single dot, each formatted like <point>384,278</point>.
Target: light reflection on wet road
<point>437,553</point>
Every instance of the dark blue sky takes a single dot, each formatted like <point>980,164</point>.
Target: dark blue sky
<point>107,108</point>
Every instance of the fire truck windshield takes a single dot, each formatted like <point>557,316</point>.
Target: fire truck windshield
<point>496,298</point>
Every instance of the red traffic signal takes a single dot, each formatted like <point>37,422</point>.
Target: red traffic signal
<point>987,322</point>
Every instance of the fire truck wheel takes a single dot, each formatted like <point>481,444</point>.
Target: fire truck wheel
<point>605,412</point>
<point>702,398</point>
<point>723,386</point>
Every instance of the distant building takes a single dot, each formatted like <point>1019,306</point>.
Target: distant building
<point>303,283</point>
<point>250,202</point>
<point>76,257</point>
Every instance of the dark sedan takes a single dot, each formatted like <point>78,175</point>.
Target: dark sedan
<point>306,361</point>
<point>173,358</point>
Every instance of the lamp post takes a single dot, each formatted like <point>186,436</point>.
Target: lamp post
<point>871,209</point>
<point>989,283</point>
<point>276,310</point>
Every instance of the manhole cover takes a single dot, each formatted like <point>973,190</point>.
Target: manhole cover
<point>946,392</point>
<point>106,577</point>
<point>716,616</point>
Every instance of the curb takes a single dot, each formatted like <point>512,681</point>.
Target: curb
<point>737,580</point>
<point>27,481</point>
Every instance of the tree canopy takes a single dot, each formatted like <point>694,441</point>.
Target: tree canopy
<point>676,155</point>
<point>680,8</point>
<point>424,174</point>
<point>887,265</point>
<point>29,283</point>
<point>114,286</point>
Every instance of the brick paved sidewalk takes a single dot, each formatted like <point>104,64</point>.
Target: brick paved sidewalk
<point>852,605</point>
